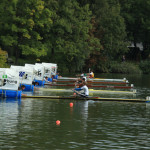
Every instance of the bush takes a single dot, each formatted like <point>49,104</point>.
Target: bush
<point>124,67</point>
<point>145,66</point>
<point>3,59</point>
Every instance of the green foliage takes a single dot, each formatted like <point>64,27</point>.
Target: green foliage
<point>124,67</point>
<point>74,34</point>
<point>136,15</point>
<point>22,27</point>
<point>145,66</point>
<point>69,34</point>
<point>110,28</point>
<point>3,58</point>
<point>103,66</point>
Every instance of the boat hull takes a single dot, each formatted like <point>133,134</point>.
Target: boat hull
<point>87,98</point>
<point>89,85</point>
<point>90,90</point>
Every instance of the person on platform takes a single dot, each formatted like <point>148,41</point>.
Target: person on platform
<point>46,79</point>
<point>21,88</point>
<point>52,79</point>
<point>35,85</point>
<point>56,76</point>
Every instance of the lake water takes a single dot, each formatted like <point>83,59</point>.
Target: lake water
<point>96,125</point>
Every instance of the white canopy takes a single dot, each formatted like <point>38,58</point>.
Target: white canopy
<point>47,69</point>
<point>9,79</point>
<point>38,71</point>
<point>25,74</point>
<point>52,66</point>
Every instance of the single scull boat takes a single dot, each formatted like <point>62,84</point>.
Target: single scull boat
<point>88,98</point>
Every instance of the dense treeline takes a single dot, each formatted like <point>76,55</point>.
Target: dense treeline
<point>74,34</point>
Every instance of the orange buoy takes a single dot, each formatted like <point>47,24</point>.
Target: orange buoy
<point>71,104</point>
<point>57,122</point>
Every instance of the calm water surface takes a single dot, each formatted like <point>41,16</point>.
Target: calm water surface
<point>31,123</point>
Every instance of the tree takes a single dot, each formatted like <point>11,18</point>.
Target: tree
<point>3,58</point>
<point>136,14</point>
<point>111,28</point>
<point>22,26</point>
<point>69,34</point>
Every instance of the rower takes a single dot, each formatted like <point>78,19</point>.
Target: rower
<point>91,74</point>
<point>79,82</point>
<point>81,75</point>
<point>53,79</point>
<point>84,79</point>
<point>85,89</point>
<point>50,80</point>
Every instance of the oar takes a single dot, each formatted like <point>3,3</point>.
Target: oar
<point>75,92</point>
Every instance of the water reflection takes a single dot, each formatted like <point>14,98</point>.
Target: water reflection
<point>9,112</point>
<point>31,124</point>
<point>88,125</point>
